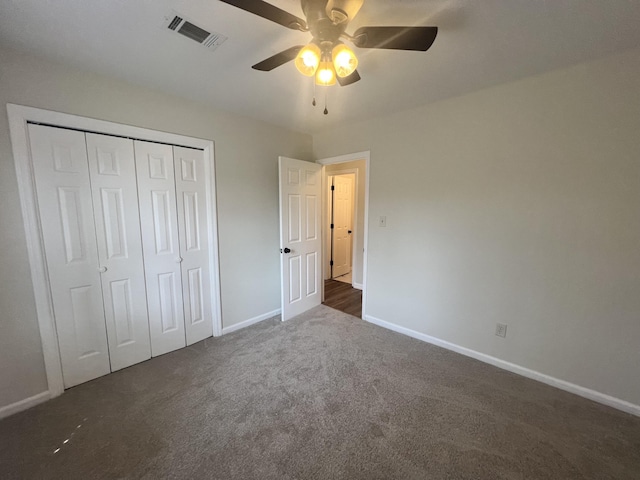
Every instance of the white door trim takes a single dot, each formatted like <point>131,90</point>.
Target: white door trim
<point>366,156</point>
<point>19,116</point>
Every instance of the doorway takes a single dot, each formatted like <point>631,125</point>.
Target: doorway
<point>345,181</point>
<point>21,119</point>
<point>341,217</point>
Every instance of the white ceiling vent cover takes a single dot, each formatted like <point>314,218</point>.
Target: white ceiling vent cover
<point>179,24</point>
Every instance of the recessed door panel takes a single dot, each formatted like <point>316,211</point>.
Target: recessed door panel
<point>311,230</point>
<point>71,218</point>
<point>162,222</point>
<point>191,190</point>
<point>192,220</point>
<point>189,168</point>
<point>300,235</point>
<point>312,266</point>
<point>294,218</point>
<point>65,156</point>
<point>162,256</point>
<point>311,177</point>
<point>115,198</point>
<point>88,329</point>
<point>115,232</point>
<point>122,312</point>
<point>108,161</point>
<point>168,302</point>
<point>295,279</point>
<point>293,176</point>
<point>158,164</point>
<point>196,303</point>
<point>65,206</point>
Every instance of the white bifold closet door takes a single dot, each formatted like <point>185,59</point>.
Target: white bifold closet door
<point>88,205</point>
<point>115,200</point>
<point>66,215</point>
<point>126,240</point>
<point>159,221</point>
<point>172,196</point>
<point>193,228</point>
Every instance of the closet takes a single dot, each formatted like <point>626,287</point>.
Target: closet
<point>126,239</point>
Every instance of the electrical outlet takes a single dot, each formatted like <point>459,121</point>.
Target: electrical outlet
<point>383,221</point>
<point>501,330</point>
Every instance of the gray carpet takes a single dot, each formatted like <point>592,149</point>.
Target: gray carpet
<point>324,396</point>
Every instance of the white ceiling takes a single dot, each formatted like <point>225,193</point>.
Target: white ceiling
<point>480,43</point>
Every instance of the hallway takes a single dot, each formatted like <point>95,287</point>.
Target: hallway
<point>342,296</point>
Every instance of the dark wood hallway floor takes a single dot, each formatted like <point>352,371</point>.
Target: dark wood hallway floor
<point>343,297</point>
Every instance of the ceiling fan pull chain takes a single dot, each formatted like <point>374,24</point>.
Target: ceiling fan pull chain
<point>326,111</point>
<point>314,93</point>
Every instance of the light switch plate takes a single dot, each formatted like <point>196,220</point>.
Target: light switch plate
<point>501,330</point>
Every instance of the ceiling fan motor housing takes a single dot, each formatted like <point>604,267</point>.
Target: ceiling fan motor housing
<point>322,28</point>
<point>343,11</point>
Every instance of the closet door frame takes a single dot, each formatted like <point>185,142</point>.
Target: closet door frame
<point>19,118</point>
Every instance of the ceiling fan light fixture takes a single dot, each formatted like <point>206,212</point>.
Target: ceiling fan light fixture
<point>308,59</point>
<point>326,74</point>
<point>344,60</point>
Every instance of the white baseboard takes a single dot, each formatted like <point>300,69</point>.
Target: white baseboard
<point>24,404</point>
<point>359,286</point>
<point>251,321</point>
<point>512,367</point>
<point>44,396</point>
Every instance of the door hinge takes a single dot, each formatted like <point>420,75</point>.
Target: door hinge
<point>332,225</point>
<point>331,263</point>
<point>333,187</point>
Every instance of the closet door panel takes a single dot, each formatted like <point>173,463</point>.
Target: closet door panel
<point>191,192</point>
<point>115,197</point>
<point>66,215</point>
<point>157,198</point>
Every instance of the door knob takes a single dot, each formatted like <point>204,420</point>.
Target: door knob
<point>102,269</point>
<point>287,250</point>
<point>178,260</point>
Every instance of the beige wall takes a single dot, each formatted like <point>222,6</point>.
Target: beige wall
<point>517,204</point>
<point>246,153</point>
<point>360,167</point>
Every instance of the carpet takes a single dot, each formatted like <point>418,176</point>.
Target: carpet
<point>323,396</point>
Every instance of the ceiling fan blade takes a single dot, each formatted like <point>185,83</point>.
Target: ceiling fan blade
<point>396,38</point>
<point>353,78</point>
<point>268,11</point>
<point>278,59</point>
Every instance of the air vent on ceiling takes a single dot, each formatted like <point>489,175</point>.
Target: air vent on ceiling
<point>179,24</point>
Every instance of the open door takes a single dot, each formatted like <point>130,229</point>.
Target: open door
<point>300,236</point>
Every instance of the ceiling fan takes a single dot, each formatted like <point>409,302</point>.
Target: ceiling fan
<point>326,57</point>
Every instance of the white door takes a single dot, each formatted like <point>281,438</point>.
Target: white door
<point>191,194</point>
<point>159,225</point>
<point>342,224</point>
<point>115,199</point>
<point>66,215</point>
<point>300,236</point>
